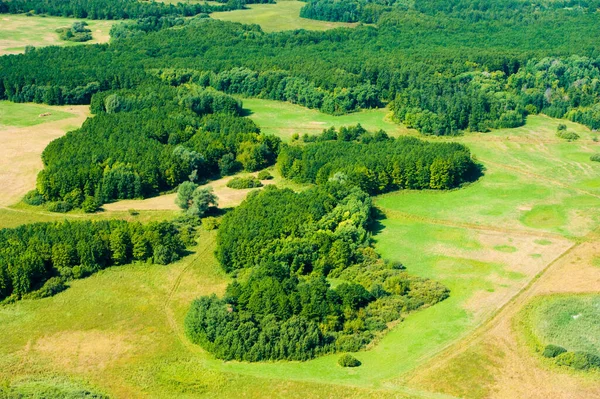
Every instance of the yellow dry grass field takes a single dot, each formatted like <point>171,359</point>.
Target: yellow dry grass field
<point>22,147</point>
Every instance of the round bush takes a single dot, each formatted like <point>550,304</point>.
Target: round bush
<point>348,360</point>
<point>595,158</point>
<point>33,198</point>
<point>553,351</point>
<point>244,182</point>
<point>264,175</point>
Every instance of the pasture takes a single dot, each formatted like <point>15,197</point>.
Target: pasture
<point>488,242</point>
<point>284,15</point>
<point>19,31</point>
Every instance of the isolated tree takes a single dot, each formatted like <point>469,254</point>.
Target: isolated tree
<point>195,200</point>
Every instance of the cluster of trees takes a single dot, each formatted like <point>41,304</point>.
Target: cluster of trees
<point>285,308</point>
<point>279,85</point>
<point>37,259</point>
<point>576,360</point>
<point>118,9</point>
<point>244,182</point>
<point>78,32</point>
<point>370,11</point>
<point>145,141</point>
<point>377,163</point>
<point>441,74</point>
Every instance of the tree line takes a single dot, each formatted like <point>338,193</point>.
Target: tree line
<point>286,307</point>
<point>37,259</point>
<point>377,163</point>
<point>148,140</point>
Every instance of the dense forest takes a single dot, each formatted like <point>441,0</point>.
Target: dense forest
<point>282,305</point>
<point>439,73</point>
<point>148,140</point>
<point>37,259</point>
<point>118,9</point>
<point>377,163</point>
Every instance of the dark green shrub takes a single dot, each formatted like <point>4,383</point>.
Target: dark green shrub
<point>595,158</point>
<point>59,206</point>
<point>239,183</point>
<point>578,360</point>
<point>569,136</point>
<point>347,360</point>
<point>33,198</point>
<point>210,223</point>
<point>264,175</point>
<point>561,127</point>
<point>553,351</point>
<point>89,204</point>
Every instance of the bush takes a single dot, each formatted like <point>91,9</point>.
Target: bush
<point>264,175</point>
<point>239,183</point>
<point>553,351</point>
<point>347,360</point>
<point>595,158</point>
<point>59,206</point>
<point>33,198</point>
<point>578,360</point>
<point>210,223</point>
<point>89,204</point>
<point>569,136</point>
<point>561,127</point>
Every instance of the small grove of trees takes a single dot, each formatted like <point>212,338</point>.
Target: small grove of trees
<point>78,32</point>
<point>37,259</point>
<point>377,163</point>
<point>575,360</point>
<point>244,182</point>
<point>195,200</point>
<point>284,307</point>
<point>563,133</point>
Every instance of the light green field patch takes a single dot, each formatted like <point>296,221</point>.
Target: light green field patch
<point>571,321</point>
<point>505,248</point>
<point>22,115</point>
<point>284,119</point>
<point>285,15</point>
<point>544,217</point>
<point>536,256</point>
<point>543,242</point>
<point>19,31</point>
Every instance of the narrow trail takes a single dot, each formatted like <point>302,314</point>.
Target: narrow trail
<point>175,327</point>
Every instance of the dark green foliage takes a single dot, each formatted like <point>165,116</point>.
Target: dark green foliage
<point>244,182</point>
<point>33,197</point>
<point>578,360</point>
<point>147,141</point>
<point>377,163</point>
<point>59,206</point>
<point>43,256</point>
<point>553,350</point>
<point>565,135</point>
<point>195,200</point>
<point>285,308</point>
<point>264,175</point>
<point>78,32</point>
<point>595,158</point>
<point>347,360</point>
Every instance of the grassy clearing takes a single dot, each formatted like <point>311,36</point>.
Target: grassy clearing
<point>19,31</point>
<point>24,135</point>
<point>24,115</point>
<point>284,119</point>
<point>571,321</point>
<point>285,15</point>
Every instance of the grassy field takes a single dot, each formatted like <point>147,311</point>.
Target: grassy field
<point>121,330</point>
<point>284,15</point>
<point>284,119</point>
<point>18,31</point>
<point>24,115</point>
<point>571,321</point>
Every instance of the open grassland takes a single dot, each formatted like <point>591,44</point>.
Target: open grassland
<point>284,119</point>
<point>19,31</point>
<point>496,244</point>
<point>25,133</point>
<point>285,15</point>
<point>571,321</point>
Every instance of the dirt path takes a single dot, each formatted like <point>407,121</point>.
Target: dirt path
<point>512,369</point>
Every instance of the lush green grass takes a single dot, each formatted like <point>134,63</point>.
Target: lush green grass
<point>23,115</point>
<point>18,31</point>
<point>571,321</point>
<point>285,15</point>
<point>284,119</point>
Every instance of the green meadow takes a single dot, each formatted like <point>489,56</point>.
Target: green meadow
<point>284,15</point>
<point>18,115</point>
<point>484,241</point>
